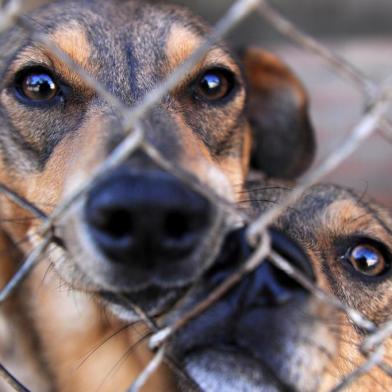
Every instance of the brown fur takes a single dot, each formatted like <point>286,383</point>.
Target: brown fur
<point>49,151</point>
<point>324,217</point>
<point>306,343</point>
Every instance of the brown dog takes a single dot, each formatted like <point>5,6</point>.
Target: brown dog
<point>55,130</point>
<point>143,234</point>
<point>269,333</point>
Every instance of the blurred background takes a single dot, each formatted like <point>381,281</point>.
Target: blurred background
<point>361,32</point>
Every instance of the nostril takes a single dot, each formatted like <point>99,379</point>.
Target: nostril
<point>286,281</point>
<point>176,225</point>
<point>183,228</point>
<point>119,224</point>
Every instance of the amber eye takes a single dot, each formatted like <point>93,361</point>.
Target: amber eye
<point>37,86</point>
<point>368,260</point>
<point>215,85</point>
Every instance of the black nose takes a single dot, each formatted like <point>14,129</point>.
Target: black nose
<point>268,284</point>
<point>146,218</point>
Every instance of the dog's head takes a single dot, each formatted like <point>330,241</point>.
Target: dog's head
<point>269,333</point>
<point>140,229</point>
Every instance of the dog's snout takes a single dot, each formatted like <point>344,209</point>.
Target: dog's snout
<point>268,285</point>
<point>143,219</point>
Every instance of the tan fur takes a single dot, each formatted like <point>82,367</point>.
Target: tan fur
<point>71,39</point>
<point>344,217</point>
<point>182,43</point>
<point>81,329</point>
<point>69,324</point>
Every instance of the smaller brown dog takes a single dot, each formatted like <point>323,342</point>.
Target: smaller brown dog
<point>269,333</point>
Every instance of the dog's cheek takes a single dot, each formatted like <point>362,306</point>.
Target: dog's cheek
<point>197,159</point>
<point>235,170</point>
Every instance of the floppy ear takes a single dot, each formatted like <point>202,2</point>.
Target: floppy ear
<point>277,109</point>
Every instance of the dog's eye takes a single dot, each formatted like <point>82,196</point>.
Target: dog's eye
<point>215,85</point>
<point>36,85</point>
<point>368,260</point>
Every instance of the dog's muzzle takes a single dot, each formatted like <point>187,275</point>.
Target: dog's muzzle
<point>141,237</point>
<point>232,346</point>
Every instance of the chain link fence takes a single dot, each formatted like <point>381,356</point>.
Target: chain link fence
<point>377,100</point>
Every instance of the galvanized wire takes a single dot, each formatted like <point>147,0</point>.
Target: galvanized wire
<point>377,100</point>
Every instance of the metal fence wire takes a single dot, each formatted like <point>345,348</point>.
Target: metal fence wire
<point>377,100</point>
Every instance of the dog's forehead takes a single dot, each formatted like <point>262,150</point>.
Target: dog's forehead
<point>140,29</point>
<point>331,212</point>
<point>130,16</point>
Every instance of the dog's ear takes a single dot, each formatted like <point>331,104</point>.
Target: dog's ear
<point>277,109</point>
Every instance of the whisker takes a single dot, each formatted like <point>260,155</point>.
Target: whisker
<point>265,188</point>
<point>363,194</point>
<point>274,202</point>
<point>123,358</point>
<point>337,334</point>
<point>101,344</point>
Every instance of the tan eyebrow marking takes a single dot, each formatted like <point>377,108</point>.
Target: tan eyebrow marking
<point>72,39</point>
<point>182,42</point>
<point>345,217</point>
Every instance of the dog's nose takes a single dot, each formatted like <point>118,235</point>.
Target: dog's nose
<point>268,284</point>
<point>143,219</point>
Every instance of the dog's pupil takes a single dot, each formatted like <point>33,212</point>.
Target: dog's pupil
<point>39,86</point>
<point>367,260</point>
<point>212,86</point>
<point>211,82</point>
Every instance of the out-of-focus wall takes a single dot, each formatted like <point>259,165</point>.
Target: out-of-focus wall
<point>324,18</point>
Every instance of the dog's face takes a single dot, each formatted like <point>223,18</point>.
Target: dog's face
<point>139,229</point>
<point>269,333</point>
